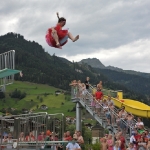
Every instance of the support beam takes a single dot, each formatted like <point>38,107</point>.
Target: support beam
<point>78,117</point>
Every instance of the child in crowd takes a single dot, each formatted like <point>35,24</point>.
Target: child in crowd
<point>116,147</point>
<point>74,88</point>
<point>79,84</point>
<point>93,103</point>
<point>110,142</point>
<point>83,90</point>
<point>107,111</point>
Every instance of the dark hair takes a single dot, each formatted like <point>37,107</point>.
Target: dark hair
<point>60,19</point>
<point>123,107</point>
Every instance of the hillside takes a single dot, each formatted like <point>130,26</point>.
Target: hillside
<point>96,63</point>
<point>40,67</point>
<point>37,95</point>
<point>136,81</point>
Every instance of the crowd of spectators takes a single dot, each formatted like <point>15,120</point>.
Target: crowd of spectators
<point>126,123</point>
<point>74,141</point>
<point>118,142</point>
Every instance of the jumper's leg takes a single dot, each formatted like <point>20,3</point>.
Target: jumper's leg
<point>55,36</point>
<point>72,38</point>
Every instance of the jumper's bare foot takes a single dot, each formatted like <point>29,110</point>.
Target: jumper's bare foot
<point>76,38</point>
<point>58,44</point>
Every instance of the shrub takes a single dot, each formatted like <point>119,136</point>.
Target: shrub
<point>41,99</point>
<point>17,94</point>
<point>2,95</point>
<point>96,146</point>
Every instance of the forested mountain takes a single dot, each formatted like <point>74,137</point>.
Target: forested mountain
<point>94,62</point>
<point>40,67</point>
<point>136,83</point>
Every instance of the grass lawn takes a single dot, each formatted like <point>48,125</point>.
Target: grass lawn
<point>36,97</point>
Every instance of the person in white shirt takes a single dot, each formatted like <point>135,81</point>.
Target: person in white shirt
<point>73,145</point>
<point>139,124</point>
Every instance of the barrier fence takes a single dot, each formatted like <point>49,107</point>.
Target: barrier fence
<point>31,131</point>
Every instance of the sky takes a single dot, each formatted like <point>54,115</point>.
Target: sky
<point>117,32</point>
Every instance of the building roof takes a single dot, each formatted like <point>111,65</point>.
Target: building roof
<point>7,72</point>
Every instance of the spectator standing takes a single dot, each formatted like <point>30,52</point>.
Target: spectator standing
<point>111,107</point>
<point>107,113</point>
<point>79,88</point>
<point>30,137</point>
<point>9,141</point>
<point>118,140</point>
<point>148,145</point>
<point>80,139</point>
<point>54,138</point>
<point>83,91</point>
<point>47,138</point>
<point>87,83</point>
<point>104,144</point>
<point>64,137</point>
<point>116,146</point>
<point>123,115</point>
<point>93,103</point>
<point>98,96</point>
<point>131,147</point>
<point>139,125</point>
<point>110,142</point>
<point>122,139</point>
<point>133,139</point>
<point>109,100</point>
<point>118,121</point>
<point>74,88</point>
<point>130,122</point>
<point>142,143</point>
<point>147,134</point>
<point>41,137</point>
<point>99,85</point>
<point>21,137</point>
<point>68,136</point>
<point>73,145</point>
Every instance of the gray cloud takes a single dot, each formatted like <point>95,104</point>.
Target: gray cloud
<point>102,25</point>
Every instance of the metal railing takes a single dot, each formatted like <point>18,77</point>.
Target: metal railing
<point>76,93</point>
<point>115,111</point>
<point>31,130</point>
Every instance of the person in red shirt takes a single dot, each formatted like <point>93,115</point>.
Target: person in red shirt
<point>30,137</point>
<point>122,139</point>
<point>98,97</point>
<point>98,94</point>
<point>68,136</point>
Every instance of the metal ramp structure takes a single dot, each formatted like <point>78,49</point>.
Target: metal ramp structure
<point>101,119</point>
<point>7,69</point>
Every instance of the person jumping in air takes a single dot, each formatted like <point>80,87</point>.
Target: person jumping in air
<point>57,37</point>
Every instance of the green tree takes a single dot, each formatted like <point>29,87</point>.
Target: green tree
<point>2,95</point>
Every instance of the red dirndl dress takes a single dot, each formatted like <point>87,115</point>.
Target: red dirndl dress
<point>62,35</point>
